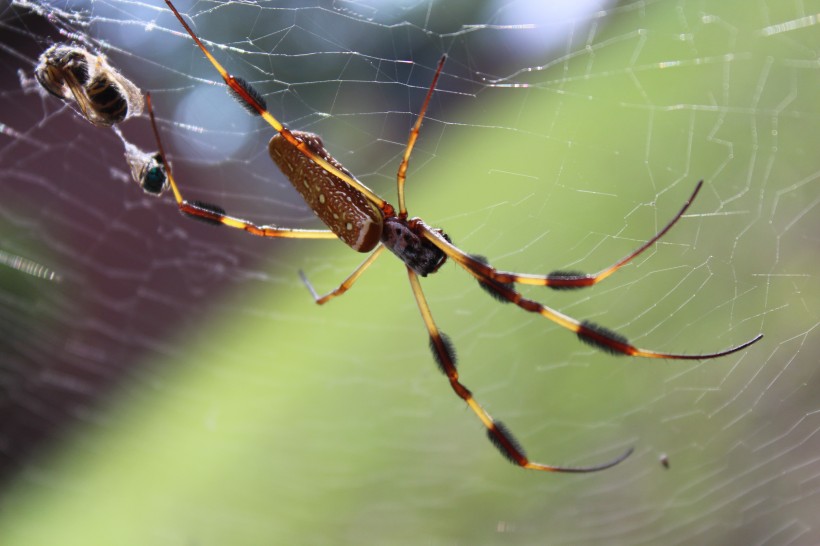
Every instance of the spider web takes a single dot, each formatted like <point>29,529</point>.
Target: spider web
<point>172,383</point>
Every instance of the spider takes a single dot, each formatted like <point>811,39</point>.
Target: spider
<point>367,223</point>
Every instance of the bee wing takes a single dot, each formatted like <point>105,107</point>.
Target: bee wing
<point>130,91</point>
<point>82,100</point>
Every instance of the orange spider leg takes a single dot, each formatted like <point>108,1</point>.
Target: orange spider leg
<point>588,332</point>
<point>255,103</point>
<point>497,432</point>
<point>401,176</point>
<point>347,283</point>
<point>574,279</point>
<point>569,279</point>
<point>215,215</point>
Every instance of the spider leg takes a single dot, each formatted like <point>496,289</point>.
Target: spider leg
<point>347,283</point>
<point>253,101</point>
<point>401,176</point>
<point>571,279</point>
<point>497,432</point>
<point>588,332</point>
<point>214,214</point>
<point>564,279</point>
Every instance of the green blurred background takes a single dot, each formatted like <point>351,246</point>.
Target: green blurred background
<point>248,415</point>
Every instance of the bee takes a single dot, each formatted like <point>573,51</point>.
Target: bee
<point>147,169</point>
<point>104,96</point>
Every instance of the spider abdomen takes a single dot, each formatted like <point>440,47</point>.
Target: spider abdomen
<point>344,210</point>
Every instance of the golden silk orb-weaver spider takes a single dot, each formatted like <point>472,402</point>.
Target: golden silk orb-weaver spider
<point>367,223</point>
